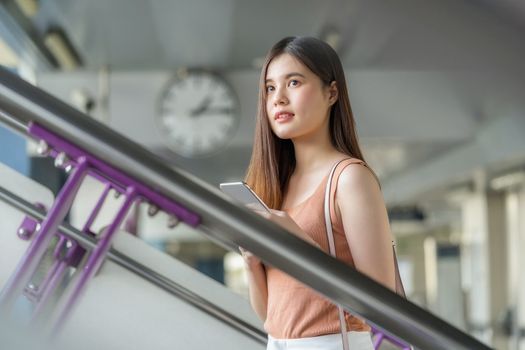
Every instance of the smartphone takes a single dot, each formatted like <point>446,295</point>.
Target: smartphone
<point>244,194</point>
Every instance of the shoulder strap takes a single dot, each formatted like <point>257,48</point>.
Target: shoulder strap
<point>331,246</point>
<point>328,201</point>
<point>327,217</point>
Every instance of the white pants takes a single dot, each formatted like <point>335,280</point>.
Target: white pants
<point>356,341</point>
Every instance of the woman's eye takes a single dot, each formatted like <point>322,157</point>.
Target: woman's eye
<point>294,82</point>
<point>269,88</point>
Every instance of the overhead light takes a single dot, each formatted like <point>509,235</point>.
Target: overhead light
<point>333,39</point>
<point>508,180</point>
<point>28,7</point>
<point>258,62</point>
<point>8,57</point>
<point>60,46</point>
<point>332,36</point>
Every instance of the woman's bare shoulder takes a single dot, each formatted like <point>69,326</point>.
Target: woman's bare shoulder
<point>357,177</point>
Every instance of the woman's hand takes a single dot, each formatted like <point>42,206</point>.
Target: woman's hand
<point>250,259</point>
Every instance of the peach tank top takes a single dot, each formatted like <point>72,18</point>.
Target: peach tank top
<point>294,310</point>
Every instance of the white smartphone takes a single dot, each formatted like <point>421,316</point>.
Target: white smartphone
<point>244,194</point>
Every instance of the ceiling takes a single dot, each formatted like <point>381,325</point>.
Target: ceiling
<point>428,75</point>
<point>233,34</point>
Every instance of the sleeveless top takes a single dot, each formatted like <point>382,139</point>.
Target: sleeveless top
<point>295,310</point>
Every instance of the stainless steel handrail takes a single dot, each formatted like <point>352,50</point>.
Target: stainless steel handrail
<point>235,226</point>
<point>139,269</point>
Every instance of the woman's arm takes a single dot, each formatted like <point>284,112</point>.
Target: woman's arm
<point>256,272</point>
<point>257,286</point>
<point>360,204</point>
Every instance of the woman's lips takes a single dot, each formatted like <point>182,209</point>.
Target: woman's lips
<point>282,117</point>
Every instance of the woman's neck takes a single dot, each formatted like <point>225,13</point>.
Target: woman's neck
<point>314,156</point>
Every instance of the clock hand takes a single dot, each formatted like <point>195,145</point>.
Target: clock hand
<point>224,110</point>
<point>202,107</point>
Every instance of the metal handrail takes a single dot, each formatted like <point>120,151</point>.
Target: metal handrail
<point>232,225</point>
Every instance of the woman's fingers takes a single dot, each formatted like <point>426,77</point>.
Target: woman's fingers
<point>277,212</point>
<point>249,258</point>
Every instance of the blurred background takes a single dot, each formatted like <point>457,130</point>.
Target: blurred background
<point>437,89</point>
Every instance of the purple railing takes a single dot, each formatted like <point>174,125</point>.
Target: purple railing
<point>68,253</point>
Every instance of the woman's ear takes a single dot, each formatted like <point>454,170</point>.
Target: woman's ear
<point>334,93</point>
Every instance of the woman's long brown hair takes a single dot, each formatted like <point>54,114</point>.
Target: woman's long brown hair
<point>273,159</point>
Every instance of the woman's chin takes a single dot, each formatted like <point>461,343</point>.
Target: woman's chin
<point>284,135</point>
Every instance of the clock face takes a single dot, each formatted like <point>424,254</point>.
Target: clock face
<point>198,114</point>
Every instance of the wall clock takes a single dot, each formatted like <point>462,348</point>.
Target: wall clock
<point>198,113</point>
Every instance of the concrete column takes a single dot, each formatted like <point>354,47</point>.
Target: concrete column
<point>515,218</point>
<point>484,262</point>
<point>476,257</point>
<point>520,247</point>
<point>475,262</point>
<point>498,267</point>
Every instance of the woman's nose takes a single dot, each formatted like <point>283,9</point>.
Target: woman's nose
<point>280,97</point>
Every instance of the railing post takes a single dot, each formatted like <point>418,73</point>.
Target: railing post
<point>94,262</point>
<point>38,246</point>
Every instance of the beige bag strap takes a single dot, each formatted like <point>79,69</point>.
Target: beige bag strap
<point>400,289</point>
<point>331,246</point>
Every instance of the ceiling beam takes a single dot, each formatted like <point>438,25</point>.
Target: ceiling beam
<point>499,144</point>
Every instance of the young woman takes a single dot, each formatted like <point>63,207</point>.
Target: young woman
<point>304,127</point>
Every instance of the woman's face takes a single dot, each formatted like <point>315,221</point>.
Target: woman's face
<point>297,102</point>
